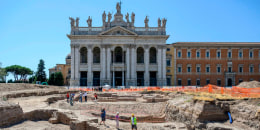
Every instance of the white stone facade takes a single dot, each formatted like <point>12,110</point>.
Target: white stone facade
<point>118,54</point>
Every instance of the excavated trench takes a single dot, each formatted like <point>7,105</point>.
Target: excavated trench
<point>149,108</point>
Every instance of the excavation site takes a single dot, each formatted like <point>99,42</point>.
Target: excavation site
<point>40,107</point>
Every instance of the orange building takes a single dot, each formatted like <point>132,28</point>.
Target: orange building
<point>170,65</point>
<point>64,69</point>
<point>219,63</point>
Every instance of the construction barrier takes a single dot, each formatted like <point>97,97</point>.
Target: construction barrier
<point>233,91</point>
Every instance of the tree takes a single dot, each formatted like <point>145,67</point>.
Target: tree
<point>40,74</point>
<point>31,79</point>
<point>51,80</point>
<point>58,78</point>
<point>2,73</point>
<point>18,70</point>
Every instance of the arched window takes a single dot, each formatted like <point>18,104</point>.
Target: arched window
<point>83,55</point>
<point>140,55</point>
<point>152,55</point>
<point>118,54</point>
<point>96,55</point>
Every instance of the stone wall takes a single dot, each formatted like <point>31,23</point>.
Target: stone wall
<point>10,114</point>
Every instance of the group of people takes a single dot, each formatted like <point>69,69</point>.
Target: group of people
<point>70,97</point>
<point>133,121</point>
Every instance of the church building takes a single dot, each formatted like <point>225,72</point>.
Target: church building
<point>118,53</point>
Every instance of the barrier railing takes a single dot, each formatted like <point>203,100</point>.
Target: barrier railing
<point>234,91</point>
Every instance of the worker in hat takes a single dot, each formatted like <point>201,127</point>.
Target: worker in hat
<point>133,122</point>
<point>117,120</point>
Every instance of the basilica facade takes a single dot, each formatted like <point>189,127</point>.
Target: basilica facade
<point>118,53</point>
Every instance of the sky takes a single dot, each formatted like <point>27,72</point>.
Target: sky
<point>36,29</point>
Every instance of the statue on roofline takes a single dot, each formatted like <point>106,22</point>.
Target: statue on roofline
<point>77,22</point>
<point>133,17</point>
<point>89,21</point>
<point>164,20</point>
<point>146,20</point>
<point>118,7</point>
<point>109,16</point>
<point>72,22</point>
<point>127,17</point>
<point>104,17</point>
<point>159,22</point>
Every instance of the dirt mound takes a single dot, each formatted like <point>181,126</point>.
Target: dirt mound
<point>22,86</point>
<point>251,84</point>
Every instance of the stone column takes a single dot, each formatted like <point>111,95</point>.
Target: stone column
<point>103,64</point>
<point>123,78</point>
<point>164,66</point>
<point>133,65</point>
<point>113,78</point>
<point>72,78</point>
<point>127,66</point>
<point>77,65</point>
<point>146,65</point>
<point>90,79</point>
<point>159,65</point>
<point>108,65</point>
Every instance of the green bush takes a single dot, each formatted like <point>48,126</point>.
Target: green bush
<point>56,79</point>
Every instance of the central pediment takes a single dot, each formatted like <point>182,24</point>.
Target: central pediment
<point>118,31</point>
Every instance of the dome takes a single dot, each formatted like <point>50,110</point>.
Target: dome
<point>68,56</point>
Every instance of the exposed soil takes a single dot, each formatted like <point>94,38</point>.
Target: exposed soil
<point>47,108</point>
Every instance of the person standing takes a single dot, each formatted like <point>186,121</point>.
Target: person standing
<point>103,116</point>
<point>68,97</point>
<point>133,122</point>
<point>80,96</point>
<point>71,99</point>
<point>85,95</point>
<point>117,120</point>
<point>95,96</point>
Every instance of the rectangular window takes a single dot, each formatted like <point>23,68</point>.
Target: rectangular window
<point>179,54</point>
<point>168,62</point>
<point>229,69</point>
<point>179,82</point>
<point>207,54</point>
<point>198,82</point>
<point>218,54</point>
<point>219,82</point>
<point>168,71</point>
<point>188,82</point>
<point>198,54</point>
<point>188,54</point>
<point>207,81</point>
<point>207,69</point>
<point>168,81</point>
<point>251,69</point>
<point>198,69</point>
<point>218,69</point>
<point>229,54</point>
<point>168,49</point>
<point>179,69</point>
<point>240,54</point>
<point>240,69</point>
<point>251,54</point>
<point>188,69</point>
